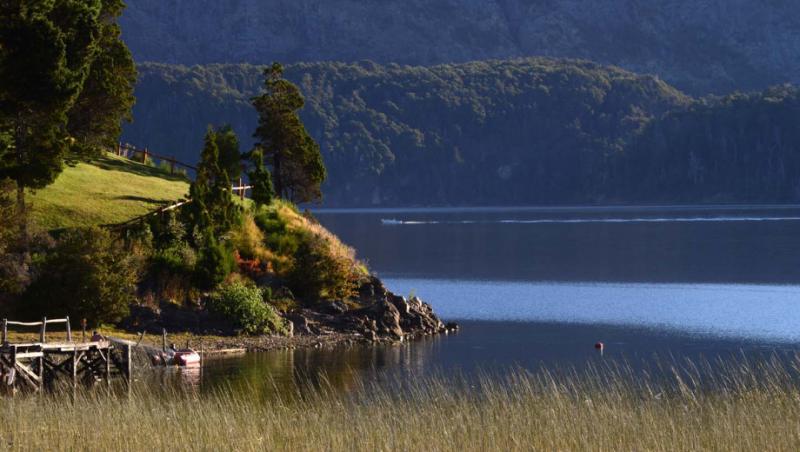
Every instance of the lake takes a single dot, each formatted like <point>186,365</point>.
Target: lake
<point>538,287</point>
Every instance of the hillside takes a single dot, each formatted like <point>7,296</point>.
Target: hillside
<point>700,46</point>
<point>497,132</point>
<point>110,190</point>
<point>739,148</point>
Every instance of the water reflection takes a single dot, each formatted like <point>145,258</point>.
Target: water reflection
<point>297,371</point>
<point>481,349</point>
<point>464,258</point>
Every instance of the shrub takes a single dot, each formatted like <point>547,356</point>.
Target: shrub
<point>215,264</point>
<point>244,305</point>
<point>170,274</point>
<point>13,265</point>
<point>319,273</point>
<point>86,275</point>
<point>248,239</point>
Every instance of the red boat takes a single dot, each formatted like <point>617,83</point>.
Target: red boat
<point>186,358</point>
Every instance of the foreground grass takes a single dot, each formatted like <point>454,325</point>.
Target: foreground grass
<point>110,190</point>
<point>742,407</point>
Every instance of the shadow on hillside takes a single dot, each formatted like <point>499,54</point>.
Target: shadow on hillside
<point>129,166</point>
<point>143,199</point>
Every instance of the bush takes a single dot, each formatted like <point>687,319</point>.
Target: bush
<point>244,305</point>
<point>87,274</point>
<point>13,265</point>
<point>215,264</point>
<point>248,239</point>
<point>318,273</point>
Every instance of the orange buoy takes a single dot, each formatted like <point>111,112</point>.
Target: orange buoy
<point>599,346</point>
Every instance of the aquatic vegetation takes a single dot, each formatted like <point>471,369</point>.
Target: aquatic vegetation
<point>740,405</point>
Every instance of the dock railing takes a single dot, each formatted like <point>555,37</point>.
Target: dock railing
<point>42,328</point>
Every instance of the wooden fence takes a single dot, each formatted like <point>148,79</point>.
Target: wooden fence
<point>144,155</point>
<point>131,152</point>
<point>42,328</point>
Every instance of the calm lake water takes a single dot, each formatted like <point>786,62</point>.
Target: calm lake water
<point>537,287</point>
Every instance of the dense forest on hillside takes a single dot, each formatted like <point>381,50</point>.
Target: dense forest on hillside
<point>738,148</point>
<point>699,46</point>
<point>497,132</point>
<point>533,131</point>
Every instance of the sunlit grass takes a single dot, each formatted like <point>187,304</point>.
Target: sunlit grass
<point>111,190</point>
<point>743,406</point>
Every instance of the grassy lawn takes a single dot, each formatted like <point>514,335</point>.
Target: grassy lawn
<point>110,190</point>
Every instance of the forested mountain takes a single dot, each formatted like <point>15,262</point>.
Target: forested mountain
<point>739,148</point>
<point>497,132</point>
<point>699,46</point>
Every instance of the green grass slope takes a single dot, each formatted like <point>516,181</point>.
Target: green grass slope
<point>109,190</point>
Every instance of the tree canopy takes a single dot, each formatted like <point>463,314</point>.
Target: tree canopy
<point>66,82</point>
<point>295,157</point>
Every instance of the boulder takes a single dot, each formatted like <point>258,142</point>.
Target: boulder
<point>299,323</point>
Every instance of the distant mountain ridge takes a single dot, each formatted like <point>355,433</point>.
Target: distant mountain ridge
<point>699,46</point>
<point>523,131</point>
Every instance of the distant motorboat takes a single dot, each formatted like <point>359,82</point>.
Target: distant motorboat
<point>390,221</point>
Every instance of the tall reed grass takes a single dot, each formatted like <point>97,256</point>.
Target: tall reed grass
<point>741,405</point>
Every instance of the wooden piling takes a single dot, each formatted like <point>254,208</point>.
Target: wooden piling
<point>35,366</point>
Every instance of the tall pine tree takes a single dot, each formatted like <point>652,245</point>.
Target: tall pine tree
<point>260,179</point>
<point>66,81</point>
<point>95,120</point>
<point>213,209</point>
<point>297,167</point>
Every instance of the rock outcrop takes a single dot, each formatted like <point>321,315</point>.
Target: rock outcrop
<point>383,316</point>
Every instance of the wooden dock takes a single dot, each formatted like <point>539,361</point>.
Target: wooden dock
<point>34,366</point>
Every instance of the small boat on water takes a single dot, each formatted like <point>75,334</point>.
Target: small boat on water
<point>172,356</point>
<point>186,357</point>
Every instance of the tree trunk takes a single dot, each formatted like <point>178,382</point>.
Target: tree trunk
<point>22,218</point>
<point>278,176</point>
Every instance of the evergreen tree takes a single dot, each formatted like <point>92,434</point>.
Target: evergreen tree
<point>107,95</point>
<point>297,167</point>
<point>260,179</point>
<point>213,208</point>
<point>66,80</point>
<point>46,49</point>
<point>230,157</point>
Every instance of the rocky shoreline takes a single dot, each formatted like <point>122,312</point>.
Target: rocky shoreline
<point>376,316</point>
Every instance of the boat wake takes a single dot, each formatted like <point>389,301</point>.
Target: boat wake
<point>395,222</point>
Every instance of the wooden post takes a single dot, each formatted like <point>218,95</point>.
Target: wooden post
<point>172,165</point>
<point>241,189</point>
<point>5,331</point>
<point>128,364</point>
<point>42,338</point>
<point>163,339</point>
<point>108,366</point>
<point>40,371</point>
<point>144,156</point>
<point>13,369</point>
<point>69,331</point>
<point>74,368</point>
<point>83,330</point>
<point>119,149</point>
